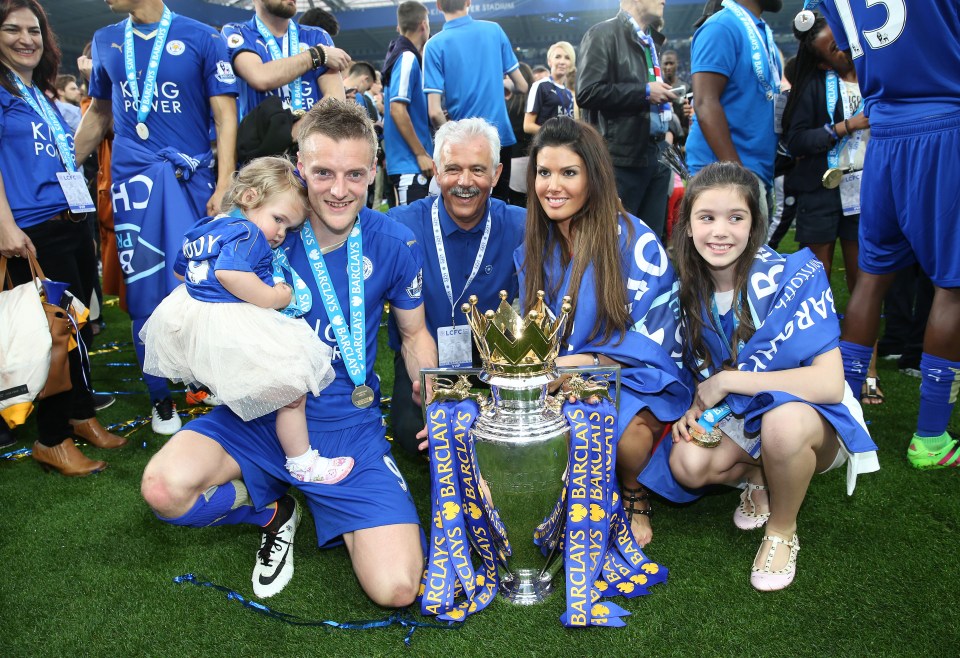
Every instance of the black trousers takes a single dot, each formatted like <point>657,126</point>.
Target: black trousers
<point>66,254</point>
<point>406,418</point>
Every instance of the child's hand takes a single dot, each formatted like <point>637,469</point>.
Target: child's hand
<point>283,293</point>
<point>711,391</point>
<point>681,428</point>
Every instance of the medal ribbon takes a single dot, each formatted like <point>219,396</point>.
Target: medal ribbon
<point>302,300</point>
<point>292,41</point>
<point>767,47</point>
<point>442,257</point>
<point>43,108</point>
<point>351,337</point>
<point>130,64</point>
<point>835,86</point>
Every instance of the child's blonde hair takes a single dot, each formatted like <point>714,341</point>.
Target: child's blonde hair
<point>266,177</point>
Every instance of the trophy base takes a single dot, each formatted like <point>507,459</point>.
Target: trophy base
<point>527,587</point>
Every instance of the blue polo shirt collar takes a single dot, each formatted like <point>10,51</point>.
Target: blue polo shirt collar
<point>458,22</point>
<point>449,227</point>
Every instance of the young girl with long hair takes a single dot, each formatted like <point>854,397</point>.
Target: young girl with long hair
<point>760,333</point>
<point>220,328</point>
<point>581,242</point>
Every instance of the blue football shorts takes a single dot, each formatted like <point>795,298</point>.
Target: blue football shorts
<point>910,199</point>
<point>373,494</point>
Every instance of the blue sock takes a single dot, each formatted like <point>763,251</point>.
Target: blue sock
<point>226,504</point>
<point>856,361</point>
<point>156,385</point>
<point>938,393</point>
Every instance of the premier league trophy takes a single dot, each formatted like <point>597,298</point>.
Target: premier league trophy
<point>519,443</point>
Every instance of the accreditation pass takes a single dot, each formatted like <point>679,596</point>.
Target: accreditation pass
<point>453,346</point>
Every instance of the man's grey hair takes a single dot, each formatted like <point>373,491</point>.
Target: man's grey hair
<point>458,132</point>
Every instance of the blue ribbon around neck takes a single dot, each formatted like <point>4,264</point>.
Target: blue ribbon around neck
<point>293,48</point>
<point>352,336</point>
<point>144,102</point>
<point>39,104</point>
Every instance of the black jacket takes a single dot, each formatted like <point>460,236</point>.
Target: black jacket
<point>612,89</point>
<point>806,138</point>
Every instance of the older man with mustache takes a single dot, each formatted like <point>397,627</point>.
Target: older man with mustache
<point>468,239</point>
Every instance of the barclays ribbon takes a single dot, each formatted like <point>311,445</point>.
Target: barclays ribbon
<point>291,41</point>
<point>459,521</point>
<point>759,50</point>
<point>143,102</point>
<point>352,336</point>
<point>302,300</point>
<point>602,558</point>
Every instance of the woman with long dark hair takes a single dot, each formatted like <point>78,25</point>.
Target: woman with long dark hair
<point>35,218</point>
<point>581,242</point>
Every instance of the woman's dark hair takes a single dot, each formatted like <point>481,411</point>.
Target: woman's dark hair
<point>594,230</point>
<point>805,67</point>
<point>45,74</point>
<point>696,283</point>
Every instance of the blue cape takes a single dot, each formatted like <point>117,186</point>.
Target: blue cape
<point>153,209</point>
<point>792,307</point>
<point>652,376</point>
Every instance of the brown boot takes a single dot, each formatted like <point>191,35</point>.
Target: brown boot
<point>91,431</point>
<point>66,458</point>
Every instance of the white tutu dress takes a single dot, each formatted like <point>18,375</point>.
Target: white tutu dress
<point>254,359</point>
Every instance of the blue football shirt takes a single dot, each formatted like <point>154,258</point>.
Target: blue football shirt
<point>222,243</point>
<point>193,67</point>
<point>406,86</point>
<point>496,273</point>
<point>392,263</point>
<point>907,60</point>
<point>29,162</point>
<point>720,46</point>
<point>466,62</point>
<point>244,37</point>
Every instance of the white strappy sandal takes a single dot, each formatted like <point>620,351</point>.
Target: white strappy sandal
<point>746,516</point>
<point>765,579</point>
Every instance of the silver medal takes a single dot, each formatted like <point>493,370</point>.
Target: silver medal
<point>143,132</point>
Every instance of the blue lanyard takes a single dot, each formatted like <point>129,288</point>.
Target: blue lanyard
<point>835,86</point>
<point>715,312</point>
<point>293,48</point>
<point>130,64</point>
<point>351,337</point>
<point>302,300</point>
<point>756,47</point>
<point>42,107</point>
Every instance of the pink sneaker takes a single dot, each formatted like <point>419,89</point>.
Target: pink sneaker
<point>330,470</point>
<point>321,470</point>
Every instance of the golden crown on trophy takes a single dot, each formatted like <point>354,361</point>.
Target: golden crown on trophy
<point>511,345</point>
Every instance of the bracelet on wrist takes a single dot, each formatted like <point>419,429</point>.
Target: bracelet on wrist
<point>846,124</point>
<point>317,57</point>
<point>596,359</point>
